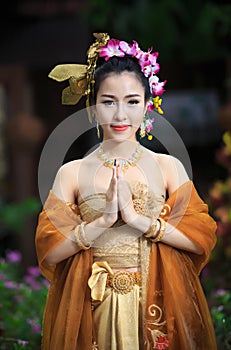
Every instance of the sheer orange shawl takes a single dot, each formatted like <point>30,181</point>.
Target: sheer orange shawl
<point>177,316</point>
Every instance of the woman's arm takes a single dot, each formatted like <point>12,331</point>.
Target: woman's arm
<point>69,246</point>
<point>66,189</point>
<point>172,237</point>
<point>174,176</point>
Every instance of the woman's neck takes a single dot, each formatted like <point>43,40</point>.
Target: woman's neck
<point>115,149</point>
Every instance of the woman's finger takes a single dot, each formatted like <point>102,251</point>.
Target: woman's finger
<point>112,189</point>
<point>124,194</point>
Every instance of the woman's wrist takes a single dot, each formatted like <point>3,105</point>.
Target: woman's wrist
<point>156,231</point>
<point>130,216</point>
<point>80,237</point>
<point>105,221</point>
<point>139,222</point>
<point>85,233</point>
<point>89,232</point>
<point>99,225</point>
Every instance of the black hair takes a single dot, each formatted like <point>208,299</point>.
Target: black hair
<point>119,65</point>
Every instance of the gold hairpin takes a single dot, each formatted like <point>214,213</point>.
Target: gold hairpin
<point>80,76</point>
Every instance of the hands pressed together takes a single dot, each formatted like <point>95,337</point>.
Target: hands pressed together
<point>119,199</point>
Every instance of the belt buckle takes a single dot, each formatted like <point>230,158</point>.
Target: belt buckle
<point>123,282</point>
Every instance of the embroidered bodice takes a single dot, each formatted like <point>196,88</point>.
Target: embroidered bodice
<point>119,244</point>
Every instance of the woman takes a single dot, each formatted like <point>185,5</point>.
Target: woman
<point>123,234</point>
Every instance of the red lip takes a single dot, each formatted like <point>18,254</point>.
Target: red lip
<point>120,128</point>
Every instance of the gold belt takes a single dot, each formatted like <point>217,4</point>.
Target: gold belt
<point>123,282</point>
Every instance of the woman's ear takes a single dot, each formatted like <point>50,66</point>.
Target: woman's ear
<point>91,111</point>
<point>146,107</point>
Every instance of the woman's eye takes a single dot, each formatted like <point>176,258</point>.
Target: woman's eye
<point>133,102</point>
<point>108,103</point>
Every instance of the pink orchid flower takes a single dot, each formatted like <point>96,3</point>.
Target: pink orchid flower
<point>159,88</point>
<point>149,69</point>
<point>139,54</point>
<point>146,68</point>
<point>149,125</point>
<point>149,57</point>
<point>128,48</point>
<point>156,86</point>
<point>152,57</point>
<point>155,68</point>
<point>149,128</point>
<point>151,106</point>
<point>112,49</point>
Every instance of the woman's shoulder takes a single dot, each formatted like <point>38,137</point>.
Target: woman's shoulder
<point>64,185</point>
<point>168,160</point>
<point>70,167</point>
<point>174,173</point>
<point>164,159</point>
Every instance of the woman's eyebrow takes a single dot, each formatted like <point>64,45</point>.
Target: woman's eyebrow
<point>132,95</point>
<point>108,95</point>
<point>127,96</point>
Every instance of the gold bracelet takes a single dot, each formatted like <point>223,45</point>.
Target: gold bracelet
<point>77,233</point>
<point>161,232</point>
<point>82,235</point>
<point>152,230</point>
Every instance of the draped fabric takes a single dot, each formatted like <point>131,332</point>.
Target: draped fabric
<point>67,323</point>
<point>176,316</point>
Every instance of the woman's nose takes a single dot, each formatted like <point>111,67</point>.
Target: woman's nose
<point>120,113</point>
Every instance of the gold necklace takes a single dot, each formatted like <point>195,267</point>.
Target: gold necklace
<point>124,164</point>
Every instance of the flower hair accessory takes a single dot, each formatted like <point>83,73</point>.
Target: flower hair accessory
<point>148,64</point>
<point>81,77</point>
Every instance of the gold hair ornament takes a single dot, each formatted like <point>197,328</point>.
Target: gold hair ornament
<point>80,76</point>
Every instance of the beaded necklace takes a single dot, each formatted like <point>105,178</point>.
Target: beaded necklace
<point>124,163</point>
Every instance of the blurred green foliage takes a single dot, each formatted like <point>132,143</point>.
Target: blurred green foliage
<point>13,215</point>
<point>180,29</point>
<point>221,314</point>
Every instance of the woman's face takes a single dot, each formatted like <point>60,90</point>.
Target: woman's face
<point>120,106</point>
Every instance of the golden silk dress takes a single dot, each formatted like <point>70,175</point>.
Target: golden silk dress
<point>167,310</point>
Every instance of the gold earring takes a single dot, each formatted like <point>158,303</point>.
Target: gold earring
<point>98,131</point>
<point>142,129</point>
